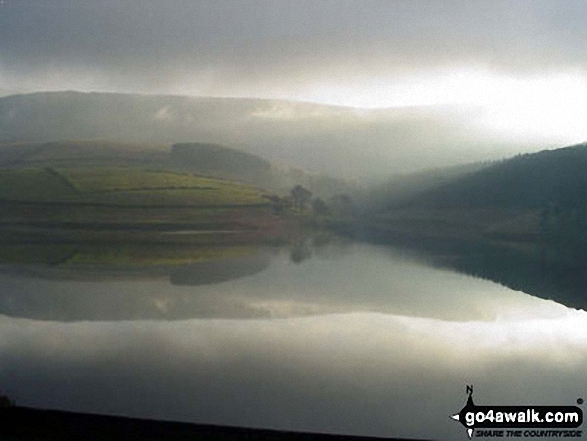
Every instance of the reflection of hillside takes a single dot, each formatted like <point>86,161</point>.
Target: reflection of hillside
<point>203,273</point>
<point>548,272</point>
<point>536,273</point>
<point>75,282</point>
<point>128,301</point>
<point>337,277</point>
<point>207,273</point>
<point>83,273</point>
<point>115,262</point>
<point>72,282</point>
<point>116,305</point>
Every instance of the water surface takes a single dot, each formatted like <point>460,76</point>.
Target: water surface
<point>341,338</point>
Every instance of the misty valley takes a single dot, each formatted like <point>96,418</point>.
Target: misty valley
<point>291,220</point>
<point>210,284</point>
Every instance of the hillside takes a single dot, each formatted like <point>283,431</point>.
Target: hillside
<point>104,204</point>
<point>520,222</point>
<point>204,159</point>
<point>528,197</point>
<point>215,160</point>
<point>538,180</point>
<point>403,187</point>
<point>122,187</point>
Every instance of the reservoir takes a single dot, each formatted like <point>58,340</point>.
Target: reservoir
<point>333,337</point>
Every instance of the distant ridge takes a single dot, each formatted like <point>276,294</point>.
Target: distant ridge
<point>342,142</point>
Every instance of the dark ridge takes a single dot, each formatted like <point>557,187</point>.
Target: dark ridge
<point>548,178</point>
<point>20,424</point>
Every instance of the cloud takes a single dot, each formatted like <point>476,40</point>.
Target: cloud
<point>513,67</point>
<point>277,49</point>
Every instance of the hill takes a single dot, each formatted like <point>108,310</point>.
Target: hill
<point>347,143</point>
<point>403,187</point>
<point>210,160</point>
<point>530,197</point>
<point>520,222</point>
<point>41,203</point>
<point>551,178</point>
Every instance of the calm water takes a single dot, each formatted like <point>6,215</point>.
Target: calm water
<point>344,338</point>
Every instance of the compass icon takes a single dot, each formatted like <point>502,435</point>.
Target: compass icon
<point>469,407</point>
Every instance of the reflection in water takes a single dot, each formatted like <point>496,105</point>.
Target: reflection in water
<point>84,292</point>
<point>353,339</point>
<point>369,374</point>
<point>340,278</point>
<point>209,273</point>
<point>532,272</point>
<point>543,271</point>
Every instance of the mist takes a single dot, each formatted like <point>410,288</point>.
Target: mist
<point>356,90</point>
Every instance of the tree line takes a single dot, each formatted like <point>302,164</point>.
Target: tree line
<point>300,199</point>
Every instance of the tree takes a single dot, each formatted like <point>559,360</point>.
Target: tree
<point>320,207</point>
<point>300,196</point>
<point>278,204</point>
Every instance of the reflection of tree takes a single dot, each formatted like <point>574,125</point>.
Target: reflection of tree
<point>300,252</point>
<point>301,249</point>
<point>321,244</point>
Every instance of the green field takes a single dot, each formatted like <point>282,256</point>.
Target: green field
<point>123,187</point>
<point>130,205</point>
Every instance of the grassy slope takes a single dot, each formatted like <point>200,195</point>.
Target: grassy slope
<point>102,190</point>
<point>208,160</point>
<point>124,187</point>
<point>117,204</point>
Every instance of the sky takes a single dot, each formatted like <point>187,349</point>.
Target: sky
<point>524,62</point>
